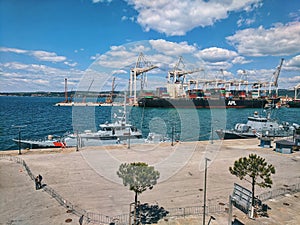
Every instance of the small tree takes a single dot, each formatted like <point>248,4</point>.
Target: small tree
<point>256,168</point>
<point>138,176</point>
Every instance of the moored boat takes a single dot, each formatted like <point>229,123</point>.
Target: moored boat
<point>112,133</point>
<point>295,103</point>
<point>49,142</point>
<point>258,126</point>
<point>158,102</point>
<point>203,93</point>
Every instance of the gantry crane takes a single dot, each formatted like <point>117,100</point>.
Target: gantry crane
<point>142,66</point>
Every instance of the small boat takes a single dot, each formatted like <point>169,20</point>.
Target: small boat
<point>49,142</point>
<point>258,126</point>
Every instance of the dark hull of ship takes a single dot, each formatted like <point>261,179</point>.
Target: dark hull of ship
<point>227,134</point>
<point>203,103</point>
<point>294,104</point>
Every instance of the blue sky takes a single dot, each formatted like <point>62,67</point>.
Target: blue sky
<point>43,42</point>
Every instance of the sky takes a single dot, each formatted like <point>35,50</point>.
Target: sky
<point>44,42</point>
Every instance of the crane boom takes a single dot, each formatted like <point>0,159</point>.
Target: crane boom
<point>277,72</point>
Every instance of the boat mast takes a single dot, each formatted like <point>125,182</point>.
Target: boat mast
<point>66,90</point>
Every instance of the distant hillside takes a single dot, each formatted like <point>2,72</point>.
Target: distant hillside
<point>36,94</point>
<point>55,94</point>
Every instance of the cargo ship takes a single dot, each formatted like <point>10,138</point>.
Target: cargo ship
<point>295,103</point>
<point>182,93</point>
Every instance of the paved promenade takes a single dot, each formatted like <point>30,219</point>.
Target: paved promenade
<point>88,179</point>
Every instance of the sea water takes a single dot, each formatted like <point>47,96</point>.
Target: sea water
<point>38,117</point>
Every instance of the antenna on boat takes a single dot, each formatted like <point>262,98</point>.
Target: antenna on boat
<point>66,90</point>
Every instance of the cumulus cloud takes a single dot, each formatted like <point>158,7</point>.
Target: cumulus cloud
<point>178,17</point>
<point>215,54</point>
<point>281,39</point>
<point>172,48</point>
<point>293,63</point>
<point>38,77</point>
<point>48,56</point>
<point>13,50</point>
<point>39,55</point>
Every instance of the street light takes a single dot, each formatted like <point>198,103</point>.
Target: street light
<point>19,142</point>
<point>172,136</point>
<point>129,138</point>
<point>77,141</point>
<point>211,218</point>
<point>204,195</point>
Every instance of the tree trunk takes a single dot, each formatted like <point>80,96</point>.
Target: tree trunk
<point>135,198</point>
<point>253,185</point>
<point>135,208</point>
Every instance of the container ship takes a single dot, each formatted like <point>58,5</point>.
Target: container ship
<point>295,103</point>
<point>182,93</point>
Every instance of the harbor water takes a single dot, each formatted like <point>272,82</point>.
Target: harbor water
<point>37,117</point>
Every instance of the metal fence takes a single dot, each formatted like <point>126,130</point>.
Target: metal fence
<point>123,219</point>
<point>197,210</point>
<point>87,216</point>
<point>279,192</point>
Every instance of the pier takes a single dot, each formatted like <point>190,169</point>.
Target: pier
<point>76,177</point>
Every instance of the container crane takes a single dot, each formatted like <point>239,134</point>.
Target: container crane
<point>142,66</point>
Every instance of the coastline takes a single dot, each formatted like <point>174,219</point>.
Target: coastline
<point>74,176</point>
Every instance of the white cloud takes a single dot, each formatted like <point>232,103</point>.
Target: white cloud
<point>37,77</point>
<point>247,21</point>
<point>38,54</point>
<point>70,64</point>
<point>276,41</point>
<point>178,17</point>
<point>172,48</point>
<point>48,56</point>
<point>293,63</point>
<point>215,54</point>
<point>101,1</point>
<point>13,50</point>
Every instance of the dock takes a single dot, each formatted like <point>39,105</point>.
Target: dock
<point>87,178</point>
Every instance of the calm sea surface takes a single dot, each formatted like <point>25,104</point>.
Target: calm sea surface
<point>41,118</point>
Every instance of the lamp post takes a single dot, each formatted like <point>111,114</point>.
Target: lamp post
<point>211,218</point>
<point>19,131</point>
<point>212,135</point>
<point>204,195</point>
<point>172,136</point>
<point>129,138</point>
<point>77,141</point>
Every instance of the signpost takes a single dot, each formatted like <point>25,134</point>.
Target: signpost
<point>241,198</point>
